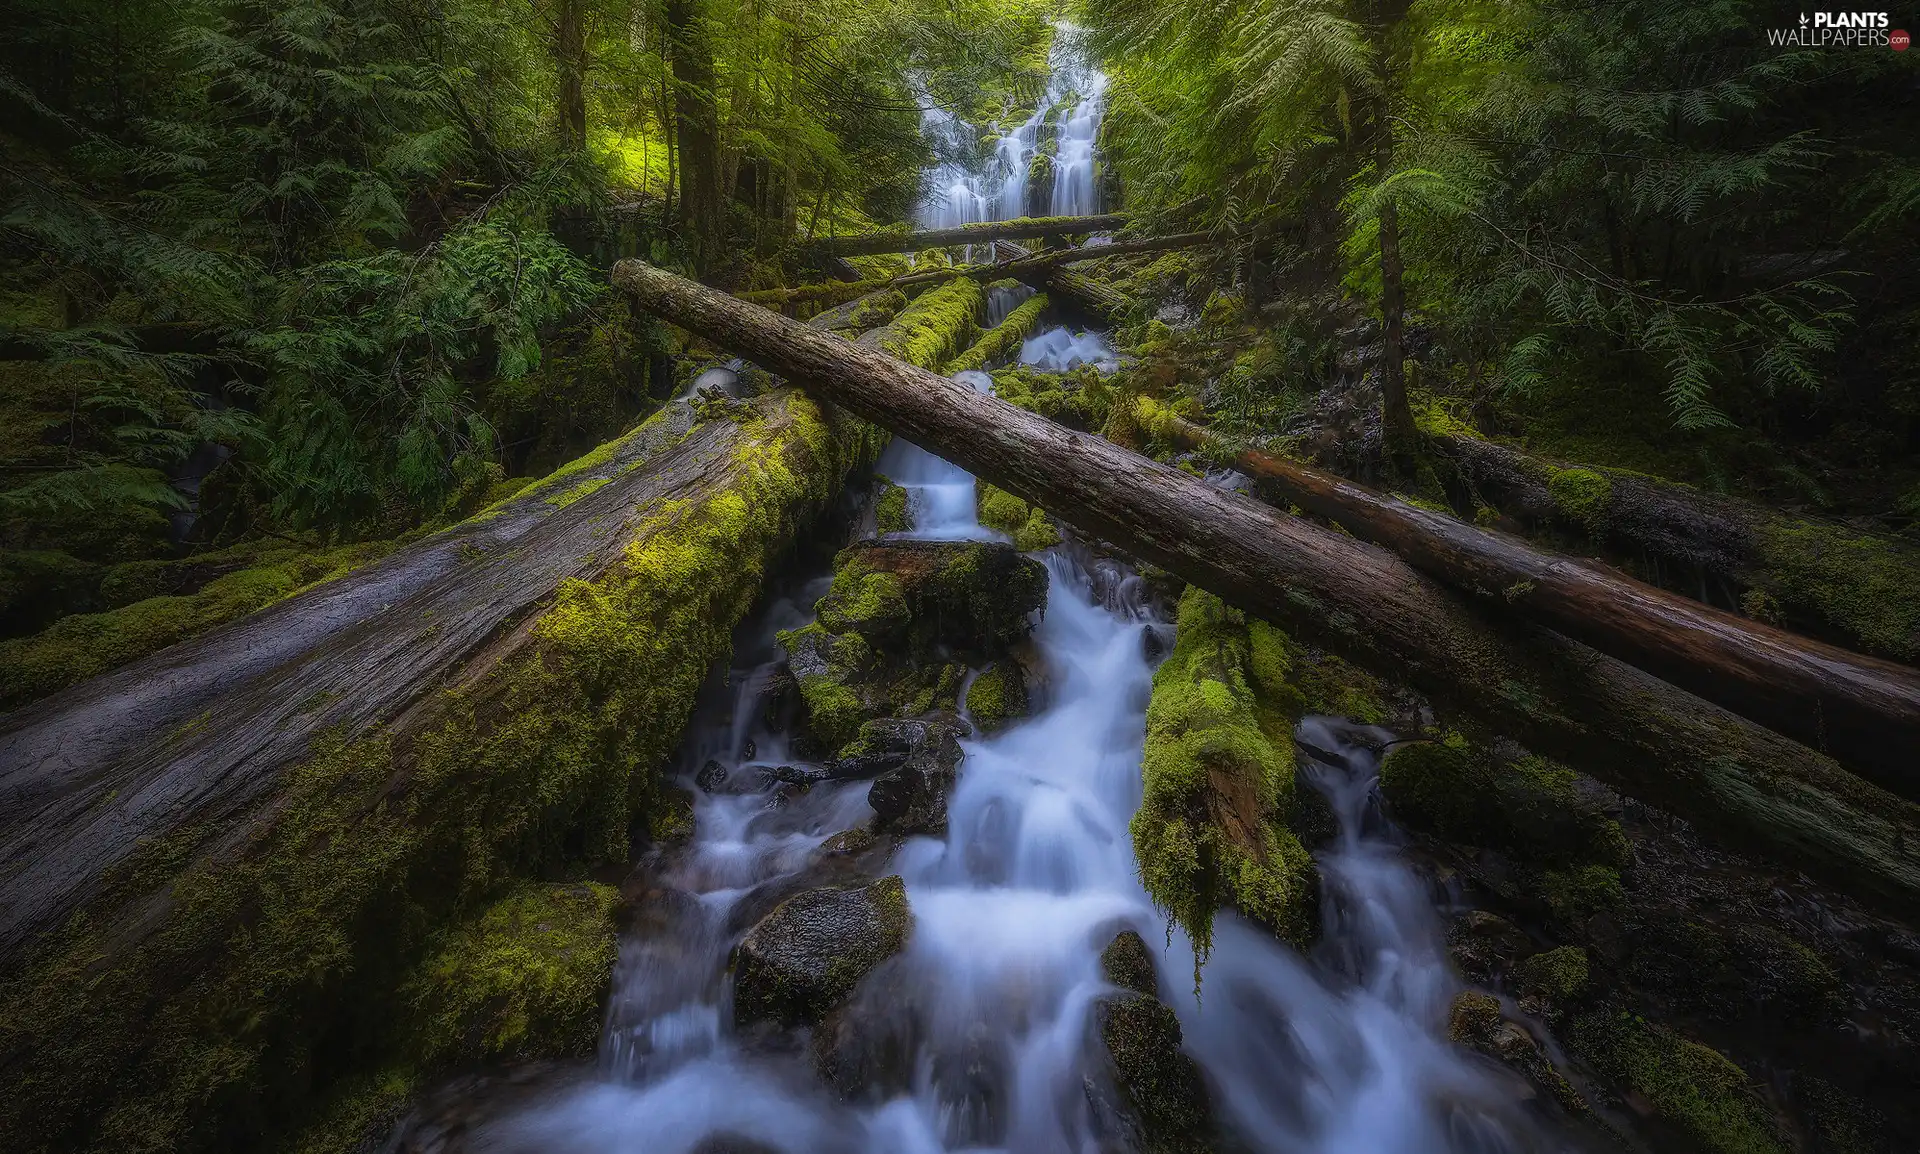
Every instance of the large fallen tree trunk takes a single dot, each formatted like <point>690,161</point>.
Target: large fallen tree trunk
<point>225,862</point>
<point>1817,576</point>
<point>1863,711</point>
<point>1746,784</point>
<point>867,244</point>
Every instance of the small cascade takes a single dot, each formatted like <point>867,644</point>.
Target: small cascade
<point>1074,192</point>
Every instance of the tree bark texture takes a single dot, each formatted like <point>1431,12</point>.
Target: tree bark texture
<point>868,244</point>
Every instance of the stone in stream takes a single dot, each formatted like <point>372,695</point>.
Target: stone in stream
<point>901,624</point>
<point>806,956</point>
<point>912,798</point>
<point>1151,1097</point>
<point>1127,964</point>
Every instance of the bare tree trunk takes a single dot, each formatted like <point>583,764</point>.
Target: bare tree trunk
<point>1656,742</point>
<point>570,60</point>
<point>1396,415</point>
<point>697,130</point>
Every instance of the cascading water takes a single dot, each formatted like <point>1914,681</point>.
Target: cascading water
<point>1337,1053</point>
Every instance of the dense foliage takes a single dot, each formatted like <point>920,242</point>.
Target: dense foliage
<point>328,268</point>
<point>1624,214</point>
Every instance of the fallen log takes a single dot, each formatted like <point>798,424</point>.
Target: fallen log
<point>1096,297</point>
<point>1815,576</point>
<point>226,862</point>
<point>1032,267</point>
<point>1863,711</point>
<point>872,243</point>
<point>1743,783</point>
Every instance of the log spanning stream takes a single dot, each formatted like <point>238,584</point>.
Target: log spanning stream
<point>996,990</point>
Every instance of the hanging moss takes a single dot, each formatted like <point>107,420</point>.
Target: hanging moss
<point>82,646</point>
<point>283,945</point>
<point>1219,782</point>
<point>1692,1087</point>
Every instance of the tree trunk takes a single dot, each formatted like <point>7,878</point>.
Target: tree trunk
<point>1656,742</point>
<point>1818,577</point>
<point>1396,415</point>
<point>570,61</point>
<point>696,122</point>
<point>868,244</point>
<point>1863,711</point>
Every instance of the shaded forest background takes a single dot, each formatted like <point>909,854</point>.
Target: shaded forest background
<point>312,273</point>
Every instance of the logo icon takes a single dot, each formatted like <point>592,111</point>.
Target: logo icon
<point>1898,40</point>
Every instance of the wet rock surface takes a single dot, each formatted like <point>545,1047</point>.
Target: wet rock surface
<point>806,957</point>
<point>1153,1099</point>
<point>912,798</point>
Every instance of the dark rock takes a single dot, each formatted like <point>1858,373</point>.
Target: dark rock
<point>1476,1021</point>
<point>802,775</point>
<point>712,777</point>
<point>729,1143</point>
<point>1161,1104</point>
<point>805,957</point>
<point>913,797</point>
<point>1485,944</point>
<point>970,1083</point>
<point>865,1050</point>
<point>1127,964</point>
<point>749,751</point>
<point>849,843</point>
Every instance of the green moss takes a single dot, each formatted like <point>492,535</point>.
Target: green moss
<point>1219,782</point>
<point>1582,496</point>
<point>85,645</point>
<point>1560,974</point>
<point>1529,808</point>
<point>1004,339</point>
<point>890,511</point>
<point>1691,1087</point>
<point>870,603</point>
<point>1577,893</point>
<point>584,488</point>
<point>1861,584</point>
<point>937,325</point>
<point>276,951</point>
<point>504,488</point>
<point>998,696</point>
<point>1080,401</point>
<point>527,978</point>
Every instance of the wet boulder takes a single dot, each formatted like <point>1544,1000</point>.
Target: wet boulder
<point>970,597</point>
<point>1150,1097</point>
<point>1127,963</point>
<point>912,798</point>
<point>865,1049</point>
<point>807,955</point>
<point>1476,1021</point>
<point>999,695</point>
<point>887,743</point>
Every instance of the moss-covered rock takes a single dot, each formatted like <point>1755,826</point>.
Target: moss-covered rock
<point>1728,971</point>
<point>1079,400</point>
<point>1219,773</point>
<point>75,648</point>
<point>1559,974</point>
<point>1026,524</point>
<point>1528,807</point>
<point>890,510</point>
<point>1694,1088</point>
<point>806,957</point>
<point>527,978</point>
<point>1476,1021</point>
<point>1164,1107</point>
<point>998,696</point>
<point>1127,963</point>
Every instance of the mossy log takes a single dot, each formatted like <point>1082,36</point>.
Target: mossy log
<point>1004,339</point>
<point>1822,577</point>
<point>1744,783</point>
<point>868,244</point>
<point>1864,711</point>
<point>1044,269</point>
<point>227,863</point>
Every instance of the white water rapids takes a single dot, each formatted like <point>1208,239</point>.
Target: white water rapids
<point>1342,1052</point>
